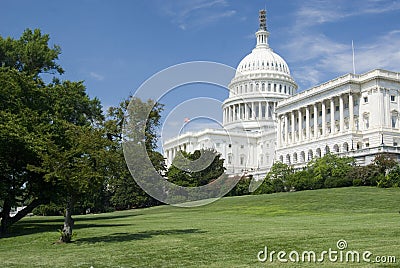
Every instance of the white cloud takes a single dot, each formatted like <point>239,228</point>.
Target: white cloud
<point>316,12</point>
<point>316,57</point>
<point>96,76</point>
<point>196,13</point>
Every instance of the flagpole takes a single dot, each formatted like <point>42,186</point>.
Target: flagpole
<point>354,64</point>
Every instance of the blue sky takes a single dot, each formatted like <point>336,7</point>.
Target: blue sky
<point>114,46</point>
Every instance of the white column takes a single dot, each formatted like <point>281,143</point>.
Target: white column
<point>308,122</point>
<point>259,110</point>
<point>300,125</point>
<point>253,113</point>
<point>315,121</point>
<point>225,117</point>
<point>387,112</point>
<point>293,125</point>
<point>286,129</point>
<point>332,115</point>
<point>341,113</point>
<point>239,111</point>
<point>246,111</point>
<point>381,109</point>
<point>323,118</point>
<point>351,112</point>
<point>279,130</point>
<point>272,107</point>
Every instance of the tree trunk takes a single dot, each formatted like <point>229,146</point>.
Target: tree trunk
<point>66,232</point>
<point>5,218</point>
<point>7,221</point>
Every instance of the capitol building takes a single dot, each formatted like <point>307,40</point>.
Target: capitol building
<point>266,120</point>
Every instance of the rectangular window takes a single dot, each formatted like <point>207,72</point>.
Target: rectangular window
<point>337,108</point>
<point>394,121</point>
<point>329,110</point>
<point>392,98</point>
<point>365,99</point>
<point>320,113</point>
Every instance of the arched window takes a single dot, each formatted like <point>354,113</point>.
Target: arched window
<point>242,160</point>
<point>336,148</point>
<point>302,157</point>
<point>345,147</point>
<point>394,119</point>
<point>288,159</point>
<point>310,155</point>
<point>318,153</point>
<point>230,158</point>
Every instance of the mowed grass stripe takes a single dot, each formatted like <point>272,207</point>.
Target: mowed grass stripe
<point>227,233</point>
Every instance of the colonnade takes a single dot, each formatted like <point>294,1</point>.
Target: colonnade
<point>322,118</point>
<point>249,111</point>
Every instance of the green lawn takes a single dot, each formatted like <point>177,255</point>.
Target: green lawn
<point>227,233</point>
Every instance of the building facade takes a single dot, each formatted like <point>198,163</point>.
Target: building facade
<point>266,120</point>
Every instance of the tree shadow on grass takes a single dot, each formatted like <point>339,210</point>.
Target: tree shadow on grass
<point>122,237</point>
<point>28,227</point>
<point>88,217</point>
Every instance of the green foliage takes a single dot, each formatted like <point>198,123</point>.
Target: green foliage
<point>364,175</point>
<point>23,138</point>
<point>266,187</point>
<point>242,187</point>
<point>392,179</point>
<point>125,192</point>
<point>300,180</point>
<point>51,209</point>
<point>280,171</point>
<point>30,54</point>
<point>179,174</point>
<point>331,171</point>
<point>384,162</point>
<point>52,143</point>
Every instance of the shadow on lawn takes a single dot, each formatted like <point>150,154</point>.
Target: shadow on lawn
<point>121,237</point>
<point>53,224</point>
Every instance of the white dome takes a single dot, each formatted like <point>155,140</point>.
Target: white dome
<point>262,59</point>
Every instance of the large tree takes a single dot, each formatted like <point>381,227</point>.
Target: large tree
<point>24,120</point>
<point>126,193</point>
<point>52,142</point>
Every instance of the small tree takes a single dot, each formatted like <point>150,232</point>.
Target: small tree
<point>181,174</point>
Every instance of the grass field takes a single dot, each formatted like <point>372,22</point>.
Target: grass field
<point>227,233</point>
